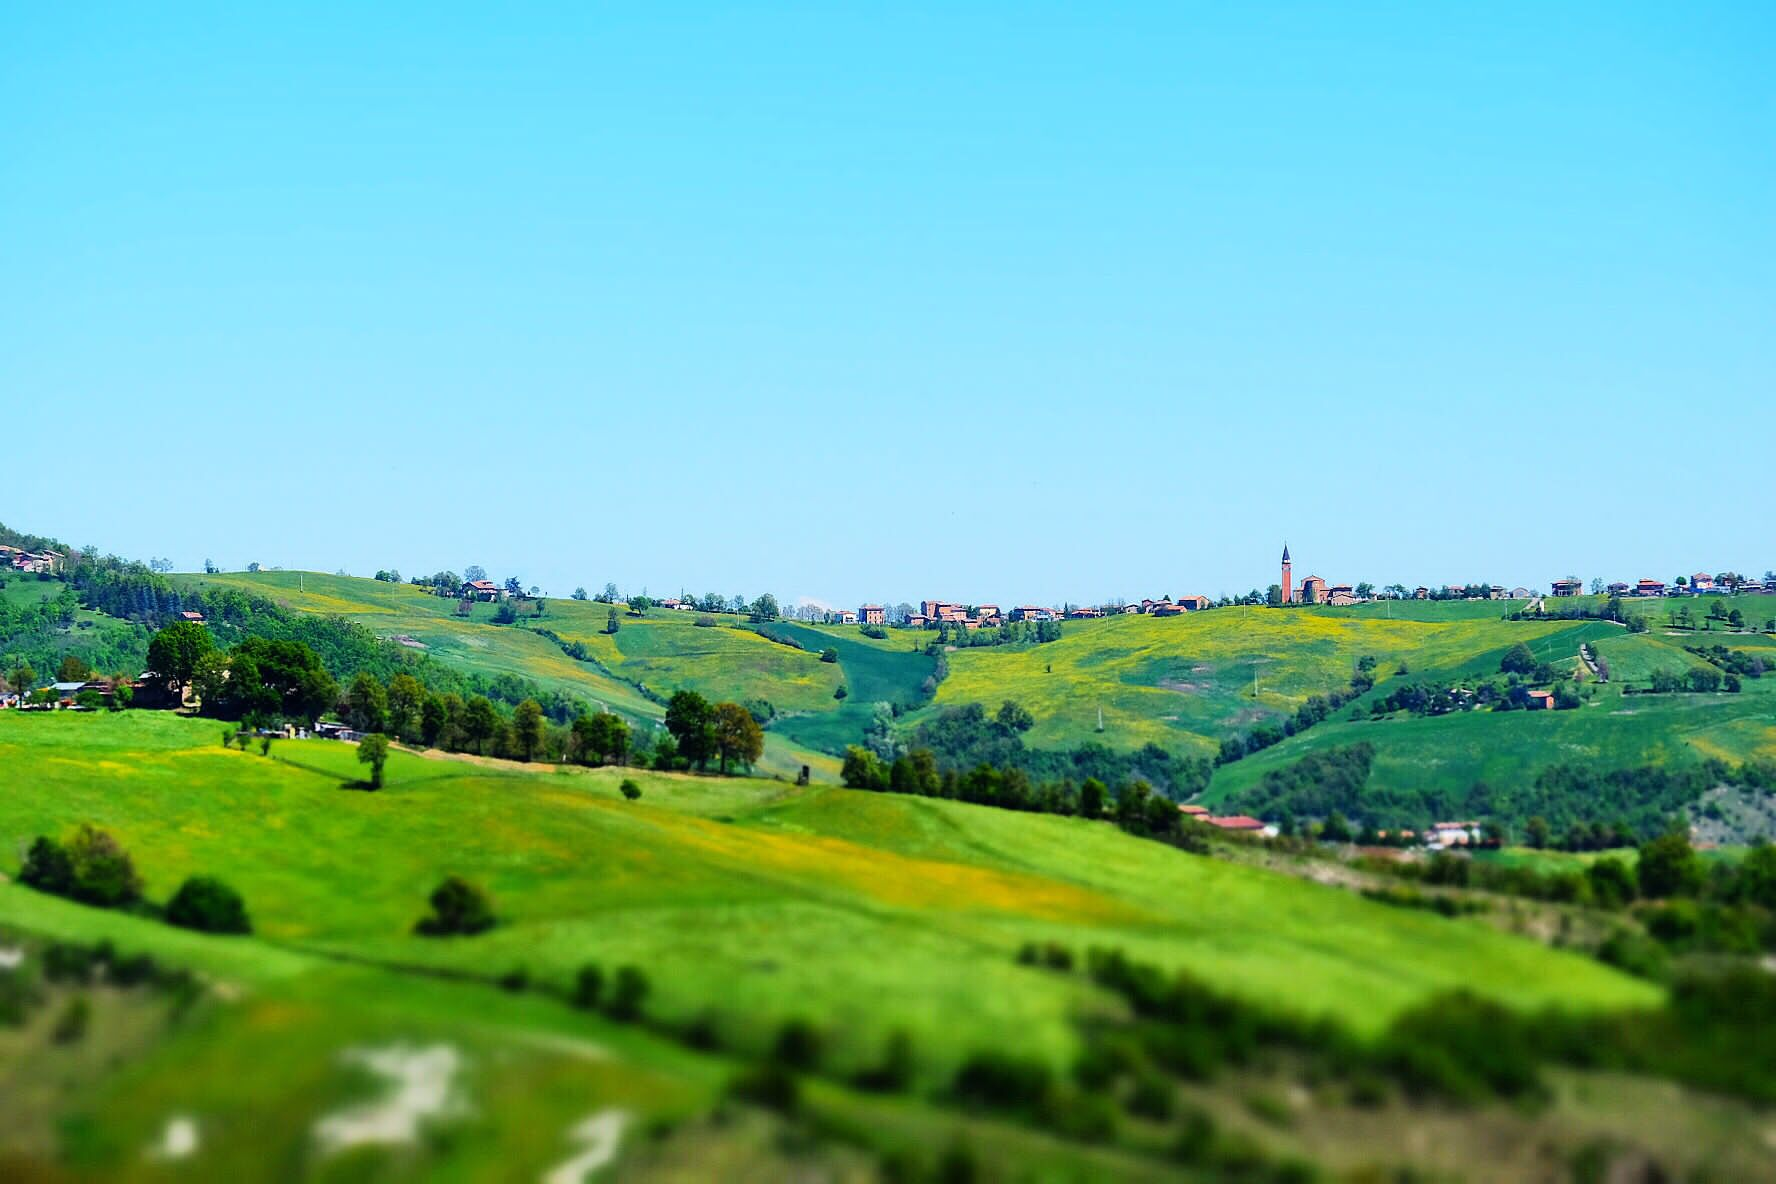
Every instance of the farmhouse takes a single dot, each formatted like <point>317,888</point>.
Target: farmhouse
<point>847,617</point>
<point>1541,700</point>
<point>1647,587</point>
<point>480,590</point>
<point>1083,613</point>
<point>1521,594</point>
<point>194,618</point>
<point>1568,587</point>
<point>1032,612</point>
<point>874,614</point>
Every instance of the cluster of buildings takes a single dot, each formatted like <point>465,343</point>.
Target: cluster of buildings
<point>1699,584</point>
<point>20,560</point>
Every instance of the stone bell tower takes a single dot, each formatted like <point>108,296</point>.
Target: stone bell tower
<point>1288,578</point>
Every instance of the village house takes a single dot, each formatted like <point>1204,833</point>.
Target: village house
<point>1541,700</point>
<point>1568,587</point>
<point>485,590</point>
<point>1647,587</point>
<point>1521,594</point>
<point>917,621</point>
<point>1701,582</point>
<point>194,617</point>
<point>1241,822</point>
<point>847,617</point>
<point>874,614</point>
<point>1032,612</point>
<point>1083,613</point>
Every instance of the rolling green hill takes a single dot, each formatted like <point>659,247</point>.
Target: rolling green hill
<point>747,902</point>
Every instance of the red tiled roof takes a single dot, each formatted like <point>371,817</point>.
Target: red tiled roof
<point>1237,822</point>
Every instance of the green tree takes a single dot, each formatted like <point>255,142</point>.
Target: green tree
<point>434,715</point>
<point>373,750</point>
<point>208,905</point>
<point>176,650</point>
<point>1091,798</point>
<point>611,625</point>
<point>459,908</point>
<point>48,868</point>
<point>104,874</point>
<point>628,993</point>
<point>1014,718</point>
<point>366,704</point>
<point>737,735</point>
<point>481,722</point>
<point>527,728</point>
<point>1518,660</point>
<point>1536,832</point>
<point>829,654</point>
<point>600,738</point>
<point>863,769</point>
<point>23,679</point>
<point>691,721</point>
<point>406,700</point>
<point>72,669</point>
<point>630,790</point>
<point>1669,866</point>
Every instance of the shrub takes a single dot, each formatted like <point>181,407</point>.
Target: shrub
<point>631,791</point>
<point>588,986</point>
<point>829,655</point>
<point>208,905</point>
<point>1000,1080</point>
<point>628,993</point>
<point>797,1046</point>
<point>47,868</point>
<point>103,872</point>
<point>769,1085</point>
<point>895,1072</point>
<point>458,908</point>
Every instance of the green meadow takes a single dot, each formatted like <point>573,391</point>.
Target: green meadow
<point>752,899</point>
<point>747,902</point>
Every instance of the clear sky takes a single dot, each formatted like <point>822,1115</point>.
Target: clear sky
<point>1006,303</point>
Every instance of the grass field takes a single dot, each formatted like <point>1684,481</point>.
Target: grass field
<point>746,901</point>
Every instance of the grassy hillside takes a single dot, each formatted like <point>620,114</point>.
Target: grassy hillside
<point>1184,682</point>
<point>746,902</point>
<point>750,897</point>
<point>1611,729</point>
<point>661,651</point>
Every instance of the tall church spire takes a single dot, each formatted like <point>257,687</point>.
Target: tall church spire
<point>1285,552</point>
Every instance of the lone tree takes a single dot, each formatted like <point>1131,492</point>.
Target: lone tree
<point>631,791</point>
<point>373,750</point>
<point>1518,660</point>
<point>459,908</point>
<point>737,735</point>
<point>208,905</point>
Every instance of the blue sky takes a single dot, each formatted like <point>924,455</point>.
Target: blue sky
<point>985,302</point>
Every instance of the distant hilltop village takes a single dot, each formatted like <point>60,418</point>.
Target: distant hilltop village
<point>1311,590</point>
<point>1028,620</point>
